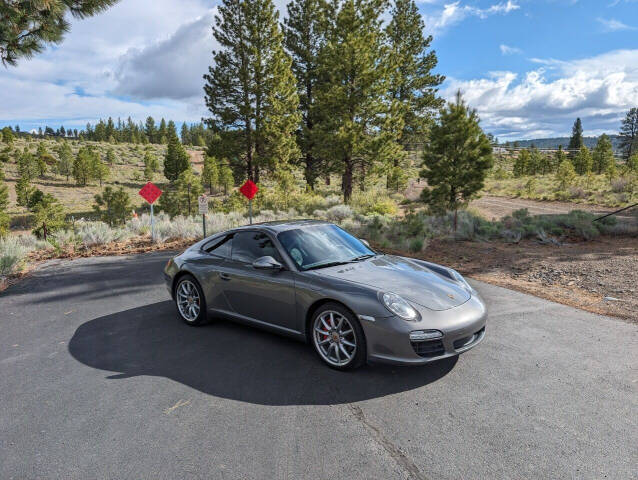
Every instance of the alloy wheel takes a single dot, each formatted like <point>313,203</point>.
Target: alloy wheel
<point>188,300</point>
<point>334,338</point>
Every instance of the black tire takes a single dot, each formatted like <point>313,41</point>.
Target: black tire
<point>202,316</point>
<point>360,353</point>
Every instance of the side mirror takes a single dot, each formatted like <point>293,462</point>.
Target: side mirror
<point>267,263</point>
<point>365,242</point>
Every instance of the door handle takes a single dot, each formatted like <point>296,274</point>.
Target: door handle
<point>224,276</point>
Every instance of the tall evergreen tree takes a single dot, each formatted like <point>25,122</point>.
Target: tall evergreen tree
<point>28,26</point>
<point>150,130</point>
<point>82,166</point>
<point>603,155</point>
<point>357,124</point>
<point>576,140</point>
<point>456,160</point>
<point>250,86</point>
<point>413,85</point>
<point>629,134</point>
<point>162,132</point>
<point>304,36</point>
<point>186,135</point>
<point>176,159</point>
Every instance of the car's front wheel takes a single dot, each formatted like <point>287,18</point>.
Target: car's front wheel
<point>338,337</point>
<point>190,301</point>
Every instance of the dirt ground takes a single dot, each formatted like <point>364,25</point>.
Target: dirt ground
<point>599,276</point>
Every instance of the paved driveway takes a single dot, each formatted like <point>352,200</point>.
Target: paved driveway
<point>99,379</point>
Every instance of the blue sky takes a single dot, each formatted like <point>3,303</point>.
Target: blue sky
<point>529,67</point>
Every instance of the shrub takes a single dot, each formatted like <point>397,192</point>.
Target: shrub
<point>12,255</point>
<point>338,213</point>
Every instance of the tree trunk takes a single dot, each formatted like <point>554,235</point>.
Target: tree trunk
<point>455,219</point>
<point>44,231</point>
<point>346,180</point>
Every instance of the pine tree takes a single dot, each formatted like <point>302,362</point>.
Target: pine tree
<point>456,160</point>
<point>150,130</point>
<point>412,84</point>
<point>27,165</point>
<point>112,206</point>
<point>65,161</point>
<point>150,161</point>
<point>48,216</point>
<point>629,134</point>
<point>304,35</point>
<point>603,154</point>
<point>23,190</point>
<point>576,140</point>
<point>41,157</point>
<point>210,173</point>
<point>357,125</point>
<point>110,156</point>
<point>7,135</point>
<point>582,161</point>
<point>176,160</point>
<point>559,157</point>
<point>186,135</point>
<point>521,163</point>
<point>162,132</point>
<point>188,188</point>
<point>99,170</point>
<point>226,179</point>
<point>250,86</point>
<point>28,26</point>
<point>565,174</point>
<point>82,166</point>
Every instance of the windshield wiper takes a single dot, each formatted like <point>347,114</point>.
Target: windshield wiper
<point>328,264</point>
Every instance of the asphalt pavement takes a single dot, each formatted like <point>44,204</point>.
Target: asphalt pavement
<point>100,379</point>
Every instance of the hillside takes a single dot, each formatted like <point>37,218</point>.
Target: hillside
<point>553,143</point>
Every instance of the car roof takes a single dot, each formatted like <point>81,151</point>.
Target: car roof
<point>279,226</point>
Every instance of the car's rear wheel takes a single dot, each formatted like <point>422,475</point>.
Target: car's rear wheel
<point>190,301</point>
<point>338,337</point>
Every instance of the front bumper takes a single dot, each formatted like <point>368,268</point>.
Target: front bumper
<point>463,327</point>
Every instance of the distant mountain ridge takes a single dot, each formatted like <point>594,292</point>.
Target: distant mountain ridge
<point>553,143</point>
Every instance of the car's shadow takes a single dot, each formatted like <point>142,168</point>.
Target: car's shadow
<point>233,361</point>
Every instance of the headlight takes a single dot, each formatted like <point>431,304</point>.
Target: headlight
<point>399,307</point>
<point>459,278</point>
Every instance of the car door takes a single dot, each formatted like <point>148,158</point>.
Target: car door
<point>263,296</point>
<point>208,267</point>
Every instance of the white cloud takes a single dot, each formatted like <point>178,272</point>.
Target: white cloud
<point>170,68</point>
<point>612,25</point>
<point>454,13</point>
<point>507,50</point>
<point>547,100</point>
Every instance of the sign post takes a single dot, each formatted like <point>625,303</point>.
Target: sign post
<point>249,189</point>
<point>150,193</point>
<point>202,201</point>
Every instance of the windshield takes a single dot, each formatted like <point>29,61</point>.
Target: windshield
<point>322,245</point>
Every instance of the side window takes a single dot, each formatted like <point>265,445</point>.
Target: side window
<point>220,247</point>
<point>249,246</point>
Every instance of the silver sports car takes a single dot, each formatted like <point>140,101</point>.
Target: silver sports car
<point>315,282</point>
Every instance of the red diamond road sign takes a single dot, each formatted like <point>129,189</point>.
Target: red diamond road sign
<point>150,192</point>
<point>249,189</point>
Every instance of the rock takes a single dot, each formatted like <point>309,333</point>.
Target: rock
<point>612,299</point>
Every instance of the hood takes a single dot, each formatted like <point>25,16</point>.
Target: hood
<point>414,282</point>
